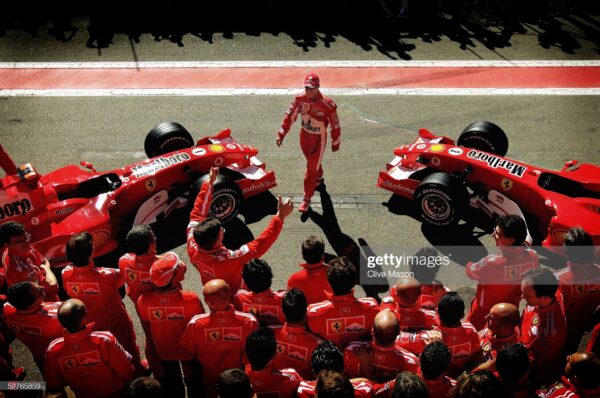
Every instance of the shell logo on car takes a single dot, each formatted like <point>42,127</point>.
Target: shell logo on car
<point>437,148</point>
<point>216,148</point>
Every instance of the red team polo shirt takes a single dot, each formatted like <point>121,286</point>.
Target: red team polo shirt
<point>295,345</point>
<point>499,277</point>
<point>221,262</point>
<point>312,280</point>
<point>168,314</point>
<point>93,364</point>
<point>35,328</point>
<point>217,341</point>
<point>544,333</point>
<point>386,362</point>
<point>491,345</point>
<point>411,319</point>
<point>274,383</point>
<point>431,295</point>
<point>463,343</point>
<point>362,389</point>
<point>24,266</point>
<point>343,319</point>
<point>265,306</point>
<point>136,273</point>
<point>580,288</point>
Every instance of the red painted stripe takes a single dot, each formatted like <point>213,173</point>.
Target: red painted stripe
<point>440,77</point>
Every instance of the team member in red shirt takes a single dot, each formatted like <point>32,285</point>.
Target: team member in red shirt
<point>580,379</point>
<point>98,288</point>
<point>460,337</point>
<point>579,284</point>
<point>384,359</point>
<point>266,379</point>
<point>217,339</point>
<point>22,262</point>
<point>33,321</point>
<point>317,112</point>
<point>343,318</point>
<point>168,310</point>
<point>327,356</point>
<point>499,275</point>
<point>512,364</point>
<point>295,343</point>
<point>502,331</point>
<point>543,327</point>
<point>259,300</point>
<point>92,364</point>
<point>312,279</point>
<point>404,302</point>
<point>205,239</point>
<point>432,289</point>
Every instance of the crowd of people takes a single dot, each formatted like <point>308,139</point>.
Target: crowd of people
<point>316,338</point>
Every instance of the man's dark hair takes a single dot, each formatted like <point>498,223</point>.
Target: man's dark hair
<point>579,246</point>
<point>145,387</point>
<point>409,385</point>
<point>79,249</point>
<point>435,360</point>
<point>341,276</point>
<point>425,275</point>
<point>234,383</point>
<point>512,364</point>
<point>313,249</point>
<point>257,275</point>
<point>479,384</point>
<point>294,305</point>
<point>21,295</point>
<point>139,239</point>
<point>513,226</point>
<point>261,347</point>
<point>11,229</point>
<point>544,282</point>
<point>206,233</point>
<point>327,356</point>
<point>333,384</point>
<point>451,308</point>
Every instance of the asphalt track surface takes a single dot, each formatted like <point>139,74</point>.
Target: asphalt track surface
<point>109,131</point>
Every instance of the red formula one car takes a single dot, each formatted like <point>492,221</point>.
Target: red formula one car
<point>107,204</point>
<point>444,179</point>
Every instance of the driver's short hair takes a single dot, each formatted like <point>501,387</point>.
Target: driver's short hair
<point>341,275</point>
<point>79,248</point>
<point>139,239</point>
<point>513,226</point>
<point>313,249</point>
<point>206,232</point>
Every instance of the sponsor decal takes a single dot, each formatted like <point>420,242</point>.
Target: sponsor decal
<point>512,273</point>
<point>507,184</point>
<point>461,351</point>
<point>231,146</point>
<point>536,320</point>
<point>218,161</point>
<point>35,221</point>
<point>158,164</point>
<point>26,329</point>
<point>199,151</point>
<point>281,348</point>
<point>435,161</point>
<point>156,313</point>
<point>345,325</point>
<point>397,187</point>
<point>259,186</point>
<point>307,125</point>
<point>305,107</point>
<point>213,335</point>
<point>131,275</point>
<point>16,208</point>
<point>487,347</point>
<point>421,146</point>
<point>296,352</point>
<point>455,151</point>
<point>216,148</point>
<point>437,148</point>
<point>85,359</point>
<point>99,237</point>
<point>496,162</point>
<point>151,184</point>
<point>232,334</point>
<point>64,211</point>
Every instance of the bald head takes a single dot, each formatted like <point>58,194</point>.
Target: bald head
<point>503,318</point>
<point>216,294</point>
<point>583,369</point>
<point>386,328</point>
<point>71,314</point>
<point>407,291</point>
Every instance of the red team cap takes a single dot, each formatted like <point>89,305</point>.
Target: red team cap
<point>163,269</point>
<point>311,80</point>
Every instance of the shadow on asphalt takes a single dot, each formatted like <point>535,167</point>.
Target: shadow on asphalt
<point>376,26</point>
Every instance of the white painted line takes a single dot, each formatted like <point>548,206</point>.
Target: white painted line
<point>291,91</point>
<point>299,64</point>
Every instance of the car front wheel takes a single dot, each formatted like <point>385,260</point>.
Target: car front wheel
<point>441,200</point>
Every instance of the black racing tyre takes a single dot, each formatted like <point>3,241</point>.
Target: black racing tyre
<point>167,137</point>
<point>226,200</point>
<point>441,200</point>
<point>485,136</point>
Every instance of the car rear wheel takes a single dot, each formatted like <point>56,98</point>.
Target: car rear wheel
<point>441,200</point>
<point>167,137</point>
<point>485,136</point>
<point>226,200</point>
